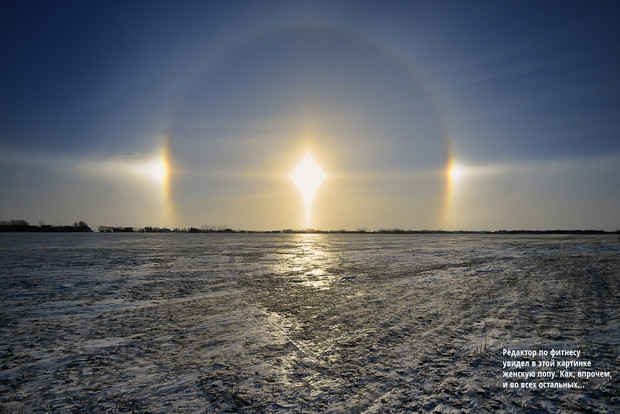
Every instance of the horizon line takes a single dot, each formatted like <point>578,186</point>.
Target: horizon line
<point>23,226</point>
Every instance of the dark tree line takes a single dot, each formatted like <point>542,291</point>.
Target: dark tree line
<point>24,226</point>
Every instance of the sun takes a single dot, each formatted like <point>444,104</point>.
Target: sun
<point>154,169</point>
<point>456,172</point>
<point>308,176</point>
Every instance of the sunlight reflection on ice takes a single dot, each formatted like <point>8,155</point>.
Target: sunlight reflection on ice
<point>401,323</point>
<point>309,262</point>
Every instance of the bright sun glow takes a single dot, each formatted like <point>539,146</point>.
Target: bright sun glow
<point>308,177</point>
<point>456,172</point>
<point>154,169</point>
<point>455,175</point>
<point>149,174</point>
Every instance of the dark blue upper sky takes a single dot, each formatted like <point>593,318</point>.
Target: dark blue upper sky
<point>397,86</point>
<point>530,78</point>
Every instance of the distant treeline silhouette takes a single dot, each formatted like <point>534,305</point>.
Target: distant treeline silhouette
<point>403,231</point>
<point>149,229</point>
<point>223,229</point>
<point>24,226</point>
<point>80,226</point>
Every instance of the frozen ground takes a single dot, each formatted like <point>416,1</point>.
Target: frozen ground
<point>301,323</point>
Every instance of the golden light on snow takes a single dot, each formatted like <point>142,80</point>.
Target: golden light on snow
<point>308,176</point>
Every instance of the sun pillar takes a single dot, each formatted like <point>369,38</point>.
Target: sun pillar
<point>454,176</point>
<point>308,176</point>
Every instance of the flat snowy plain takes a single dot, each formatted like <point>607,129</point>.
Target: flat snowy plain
<point>303,322</point>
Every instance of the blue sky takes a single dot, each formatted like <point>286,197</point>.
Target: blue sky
<point>386,96</point>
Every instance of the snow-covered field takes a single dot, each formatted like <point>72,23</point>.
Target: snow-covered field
<point>303,323</point>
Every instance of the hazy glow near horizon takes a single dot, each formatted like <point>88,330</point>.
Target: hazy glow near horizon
<point>514,126</point>
<point>308,176</point>
<point>455,173</point>
<point>133,172</point>
<point>155,169</point>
